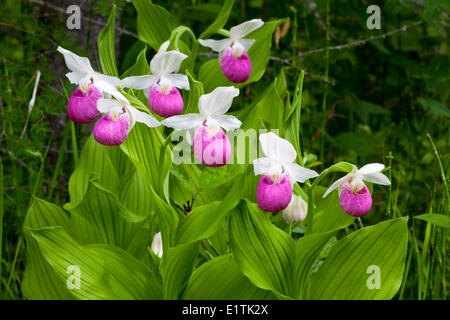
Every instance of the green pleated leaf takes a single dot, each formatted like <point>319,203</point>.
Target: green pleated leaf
<point>293,121</point>
<point>154,23</point>
<point>106,46</point>
<point>220,21</point>
<point>134,195</point>
<point>112,222</point>
<point>39,280</point>
<point>356,263</point>
<point>143,147</point>
<point>306,252</point>
<point>211,75</point>
<point>95,161</point>
<point>221,279</point>
<point>255,115</point>
<point>328,214</point>
<point>262,251</point>
<point>206,220</point>
<point>176,268</point>
<point>141,66</point>
<point>104,270</point>
<point>436,219</point>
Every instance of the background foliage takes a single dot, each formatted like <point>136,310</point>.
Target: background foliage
<point>370,101</point>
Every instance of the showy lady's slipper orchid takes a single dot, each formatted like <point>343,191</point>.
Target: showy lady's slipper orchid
<point>354,197</point>
<point>161,86</point>
<point>211,145</point>
<point>296,210</point>
<point>234,60</point>
<point>82,106</point>
<point>279,171</point>
<point>112,128</point>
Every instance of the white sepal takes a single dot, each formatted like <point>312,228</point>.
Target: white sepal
<point>243,29</point>
<point>216,45</point>
<point>139,82</point>
<point>376,177</point>
<point>184,121</point>
<point>179,80</point>
<point>298,173</point>
<point>277,148</point>
<point>166,62</point>
<point>228,122</point>
<point>105,105</point>
<point>76,63</point>
<point>335,185</point>
<point>371,168</point>
<point>142,117</point>
<point>218,101</point>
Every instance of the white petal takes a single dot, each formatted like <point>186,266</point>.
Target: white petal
<point>164,46</point>
<point>278,148</point>
<point>370,168</point>
<point>110,89</point>
<point>105,105</point>
<point>75,77</point>
<point>216,45</point>
<point>376,177</point>
<point>243,29</point>
<point>109,79</point>
<point>246,43</point>
<point>298,173</point>
<point>228,122</point>
<point>139,82</point>
<point>218,101</point>
<point>266,166</point>
<point>143,117</point>
<point>184,121</point>
<point>75,62</point>
<point>179,80</point>
<point>166,62</point>
<point>334,186</point>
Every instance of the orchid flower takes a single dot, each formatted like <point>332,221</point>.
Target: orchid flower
<point>279,171</point>
<point>296,210</point>
<point>161,86</point>
<point>120,116</point>
<point>82,105</point>
<point>354,197</point>
<point>234,60</point>
<point>211,145</point>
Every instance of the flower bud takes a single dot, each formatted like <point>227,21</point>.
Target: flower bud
<point>82,106</point>
<point>274,193</point>
<point>296,210</point>
<point>157,247</point>
<point>236,68</point>
<point>355,202</point>
<point>211,146</point>
<point>165,101</point>
<point>112,129</point>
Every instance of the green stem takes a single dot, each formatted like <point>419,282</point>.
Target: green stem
<point>389,207</point>
<point>74,143</point>
<point>59,161</point>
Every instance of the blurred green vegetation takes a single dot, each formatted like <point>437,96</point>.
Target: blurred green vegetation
<point>379,98</point>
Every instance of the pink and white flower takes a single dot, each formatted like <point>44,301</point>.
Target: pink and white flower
<point>211,145</point>
<point>279,172</point>
<point>161,86</point>
<point>234,60</point>
<point>354,196</point>
<point>119,118</point>
<point>82,106</point>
